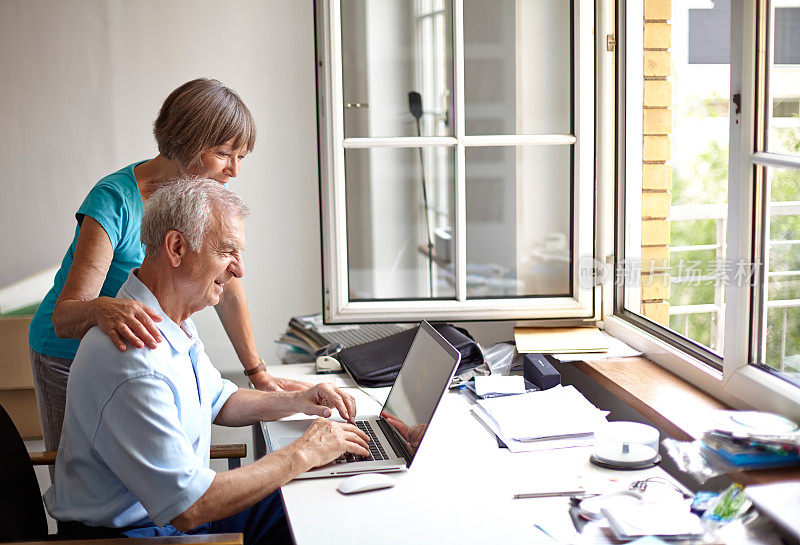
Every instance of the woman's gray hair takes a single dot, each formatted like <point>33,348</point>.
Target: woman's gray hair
<point>187,206</point>
<point>199,115</point>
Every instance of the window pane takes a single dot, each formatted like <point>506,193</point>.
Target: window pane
<point>517,70</point>
<point>518,221</point>
<point>674,269</point>
<point>392,48</point>
<point>782,351</point>
<point>387,230</point>
<point>784,79</point>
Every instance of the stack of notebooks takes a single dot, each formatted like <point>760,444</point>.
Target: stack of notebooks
<point>550,419</point>
<point>305,335</point>
<point>752,450</point>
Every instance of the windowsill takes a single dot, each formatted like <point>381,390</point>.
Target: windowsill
<point>668,401</point>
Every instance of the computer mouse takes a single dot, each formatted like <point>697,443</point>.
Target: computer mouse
<point>365,482</point>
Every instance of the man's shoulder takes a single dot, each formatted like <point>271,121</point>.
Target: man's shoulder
<point>99,358</point>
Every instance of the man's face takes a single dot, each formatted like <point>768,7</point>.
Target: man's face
<point>216,263</point>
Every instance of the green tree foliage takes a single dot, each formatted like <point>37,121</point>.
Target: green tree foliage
<point>705,181</point>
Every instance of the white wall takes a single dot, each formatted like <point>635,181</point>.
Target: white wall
<point>81,82</point>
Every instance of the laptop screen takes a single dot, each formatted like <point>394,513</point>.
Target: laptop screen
<point>425,375</point>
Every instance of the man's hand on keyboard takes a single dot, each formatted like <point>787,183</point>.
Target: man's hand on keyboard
<point>321,398</point>
<point>325,440</point>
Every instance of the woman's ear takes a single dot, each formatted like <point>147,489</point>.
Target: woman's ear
<point>175,246</point>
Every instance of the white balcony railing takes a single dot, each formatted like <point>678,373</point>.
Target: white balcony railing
<point>716,310</point>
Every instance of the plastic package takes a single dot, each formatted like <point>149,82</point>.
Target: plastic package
<point>730,505</point>
<point>689,458</point>
<point>499,358</point>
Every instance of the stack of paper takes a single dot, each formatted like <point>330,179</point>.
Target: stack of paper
<point>671,521</point>
<point>556,418</point>
<point>559,340</point>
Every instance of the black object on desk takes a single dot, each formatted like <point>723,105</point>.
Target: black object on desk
<point>376,364</point>
<point>539,371</point>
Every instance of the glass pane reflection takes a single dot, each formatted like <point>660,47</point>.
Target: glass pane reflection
<point>391,48</point>
<point>518,221</point>
<point>784,79</point>
<point>517,67</point>
<point>782,351</point>
<point>387,230</point>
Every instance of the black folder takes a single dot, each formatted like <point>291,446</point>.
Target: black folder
<point>377,363</point>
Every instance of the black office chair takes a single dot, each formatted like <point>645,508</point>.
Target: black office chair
<point>22,515</point>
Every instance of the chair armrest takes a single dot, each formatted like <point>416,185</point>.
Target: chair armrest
<point>48,457</point>
<point>217,539</point>
<point>238,450</point>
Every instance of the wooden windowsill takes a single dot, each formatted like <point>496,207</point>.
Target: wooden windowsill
<point>668,401</point>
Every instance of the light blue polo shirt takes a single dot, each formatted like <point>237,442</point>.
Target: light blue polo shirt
<point>137,426</point>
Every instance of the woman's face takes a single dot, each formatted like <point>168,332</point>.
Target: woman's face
<point>220,163</point>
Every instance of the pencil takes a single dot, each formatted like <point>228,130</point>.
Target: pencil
<point>549,494</point>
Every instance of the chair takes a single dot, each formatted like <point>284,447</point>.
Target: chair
<point>23,517</point>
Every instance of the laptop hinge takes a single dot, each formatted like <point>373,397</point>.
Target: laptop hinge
<point>397,444</point>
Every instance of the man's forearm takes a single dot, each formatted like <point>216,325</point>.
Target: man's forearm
<point>246,407</point>
<point>233,491</point>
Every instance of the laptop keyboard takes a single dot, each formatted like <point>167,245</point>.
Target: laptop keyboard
<point>376,451</point>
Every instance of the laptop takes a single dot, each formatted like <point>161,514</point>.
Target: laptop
<point>398,431</point>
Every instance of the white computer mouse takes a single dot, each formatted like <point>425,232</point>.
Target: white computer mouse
<point>365,482</point>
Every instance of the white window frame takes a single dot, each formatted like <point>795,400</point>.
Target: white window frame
<point>337,307</point>
<point>739,384</point>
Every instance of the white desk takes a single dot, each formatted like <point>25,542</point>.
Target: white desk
<point>458,490</point>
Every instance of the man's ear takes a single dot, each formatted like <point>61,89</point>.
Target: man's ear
<point>175,246</point>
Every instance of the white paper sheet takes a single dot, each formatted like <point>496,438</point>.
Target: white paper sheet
<point>499,384</point>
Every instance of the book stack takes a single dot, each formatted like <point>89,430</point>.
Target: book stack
<point>306,335</point>
<point>751,440</point>
<point>752,450</point>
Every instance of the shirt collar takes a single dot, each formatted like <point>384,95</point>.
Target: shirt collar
<point>182,337</point>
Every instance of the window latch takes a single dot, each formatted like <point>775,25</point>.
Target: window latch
<point>737,100</point>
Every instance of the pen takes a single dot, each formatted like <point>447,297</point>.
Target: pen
<point>545,532</point>
<point>551,437</point>
<point>549,494</point>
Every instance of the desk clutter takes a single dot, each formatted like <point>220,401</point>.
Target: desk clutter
<point>738,440</point>
<point>654,510</point>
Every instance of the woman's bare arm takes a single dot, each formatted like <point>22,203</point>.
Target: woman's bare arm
<point>79,308</point>
<point>235,317</point>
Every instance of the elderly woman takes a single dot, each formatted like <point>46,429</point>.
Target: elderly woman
<point>203,129</point>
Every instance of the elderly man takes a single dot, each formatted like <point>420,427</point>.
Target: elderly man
<point>134,454</point>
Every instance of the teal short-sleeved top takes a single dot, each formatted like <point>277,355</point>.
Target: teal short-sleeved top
<point>116,204</point>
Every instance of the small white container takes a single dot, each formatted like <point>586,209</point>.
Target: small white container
<point>625,445</point>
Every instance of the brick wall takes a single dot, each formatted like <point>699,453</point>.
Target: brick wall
<point>656,172</point>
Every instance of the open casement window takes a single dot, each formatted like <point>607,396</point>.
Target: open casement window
<point>708,245</point>
<point>456,158</point>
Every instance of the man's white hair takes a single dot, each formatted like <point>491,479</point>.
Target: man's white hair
<point>187,206</point>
